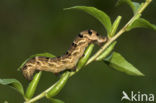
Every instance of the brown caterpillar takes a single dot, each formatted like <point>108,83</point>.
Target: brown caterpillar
<point>66,62</point>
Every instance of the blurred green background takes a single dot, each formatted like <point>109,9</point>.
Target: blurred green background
<point>28,27</point>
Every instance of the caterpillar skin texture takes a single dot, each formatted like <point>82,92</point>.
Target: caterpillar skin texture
<point>66,62</point>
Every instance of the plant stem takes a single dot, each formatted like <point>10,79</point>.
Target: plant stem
<point>111,40</point>
<point>41,95</point>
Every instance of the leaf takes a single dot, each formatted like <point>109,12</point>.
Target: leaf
<point>55,100</point>
<point>133,5</point>
<point>41,54</point>
<point>33,85</point>
<point>106,52</point>
<point>115,26</point>
<point>14,84</point>
<point>98,14</point>
<point>141,23</point>
<point>57,87</point>
<point>121,64</point>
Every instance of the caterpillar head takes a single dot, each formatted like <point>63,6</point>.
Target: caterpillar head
<point>93,36</point>
<point>28,72</point>
<point>29,68</point>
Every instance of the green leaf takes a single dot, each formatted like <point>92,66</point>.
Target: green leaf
<point>121,64</point>
<point>115,26</point>
<point>57,87</point>
<point>106,52</point>
<point>41,54</point>
<point>98,14</point>
<point>55,100</point>
<point>33,85</point>
<point>141,23</point>
<point>14,84</point>
<point>133,5</point>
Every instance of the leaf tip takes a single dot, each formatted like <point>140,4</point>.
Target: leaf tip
<point>73,7</point>
<point>141,74</point>
<point>66,8</point>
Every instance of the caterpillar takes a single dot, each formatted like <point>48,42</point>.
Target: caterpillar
<point>67,61</point>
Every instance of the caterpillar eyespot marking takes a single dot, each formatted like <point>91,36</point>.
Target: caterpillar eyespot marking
<point>80,35</point>
<point>66,53</point>
<point>47,57</point>
<point>38,63</point>
<point>97,34</point>
<point>68,61</point>
<point>69,54</point>
<point>73,44</point>
<point>25,67</point>
<point>89,32</point>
